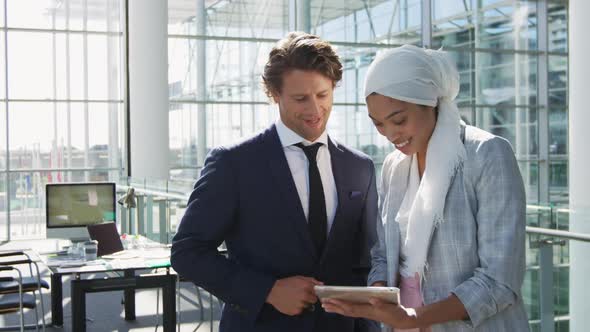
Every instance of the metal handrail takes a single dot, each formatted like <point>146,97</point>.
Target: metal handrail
<point>155,192</point>
<point>529,229</point>
<point>558,233</point>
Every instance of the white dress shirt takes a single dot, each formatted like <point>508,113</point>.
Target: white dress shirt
<point>299,166</point>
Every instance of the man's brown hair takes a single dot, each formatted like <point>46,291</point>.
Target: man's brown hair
<point>303,51</point>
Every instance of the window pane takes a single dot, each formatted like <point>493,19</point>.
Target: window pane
<point>3,205</point>
<point>496,78</point>
<point>262,19</point>
<point>506,79</point>
<point>396,22</point>
<point>452,23</point>
<point>30,75</point>
<point>57,137</point>
<point>558,181</point>
<point>76,68</point>
<point>32,141</point>
<point>2,138</point>
<point>557,76</point>
<point>558,132</point>
<point>221,118</point>
<point>352,126</point>
<point>183,135</point>
<point>104,70</point>
<point>530,177</point>
<point>233,70</point>
<point>495,24</point>
<point>31,13</point>
<point>68,14</point>
<point>1,24</point>
<point>104,15</point>
<point>2,67</point>
<point>518,126</point>
<point>508,26</point>
<point>557,25</point>
<point>105,130</point>
<point>465,62</point>
<point>27,207</point>
<point>226,124</point>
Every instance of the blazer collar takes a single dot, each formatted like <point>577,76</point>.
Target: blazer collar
<point>285,185</point>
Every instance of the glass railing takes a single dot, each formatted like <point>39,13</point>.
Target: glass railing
<point>159,207</point>
<point>547,289</point>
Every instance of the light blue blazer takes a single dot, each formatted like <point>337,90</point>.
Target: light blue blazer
<point>478,252</point>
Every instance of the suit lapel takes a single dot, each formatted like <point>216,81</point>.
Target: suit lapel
<point>338,164</point>
<point>281,174</point>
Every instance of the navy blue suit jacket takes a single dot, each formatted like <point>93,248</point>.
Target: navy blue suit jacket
<point>246,197</point>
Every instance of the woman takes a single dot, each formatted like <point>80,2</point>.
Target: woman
<point>452,206</point>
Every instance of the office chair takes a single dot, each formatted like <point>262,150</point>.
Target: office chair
<point>222,249</point>
<point>180,279</point>
<point>12,288</point>
<point>16,302</point>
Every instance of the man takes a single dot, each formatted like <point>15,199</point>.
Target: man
<point>295,208</point>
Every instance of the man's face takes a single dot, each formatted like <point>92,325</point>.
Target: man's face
<point>305,102</point>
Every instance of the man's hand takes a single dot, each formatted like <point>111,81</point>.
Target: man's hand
<point>292,295</point>
<point>379,284</point>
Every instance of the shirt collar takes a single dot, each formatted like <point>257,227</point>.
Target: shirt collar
<point>288,137</point>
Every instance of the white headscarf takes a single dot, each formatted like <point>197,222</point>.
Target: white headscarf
<point>424,77</point>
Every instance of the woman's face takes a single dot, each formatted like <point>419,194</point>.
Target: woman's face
<point>408,126</point>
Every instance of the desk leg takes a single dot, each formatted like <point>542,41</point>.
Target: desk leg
<point>57,314</point>
<point>129,298</point>
<point>169,304</point>
<point>78,307</point>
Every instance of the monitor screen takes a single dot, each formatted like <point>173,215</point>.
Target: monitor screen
<point>79,204</point>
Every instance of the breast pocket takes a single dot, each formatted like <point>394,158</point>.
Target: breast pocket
<point>354,195</point>
<point>352,204</point>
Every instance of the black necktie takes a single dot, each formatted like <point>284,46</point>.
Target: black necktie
<point>317,219</point>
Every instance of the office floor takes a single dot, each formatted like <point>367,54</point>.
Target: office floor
<point>105,312</point>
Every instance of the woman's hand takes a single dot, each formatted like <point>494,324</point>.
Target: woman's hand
<point>391,314</point>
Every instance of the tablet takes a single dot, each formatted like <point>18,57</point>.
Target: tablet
<point>358,294</point>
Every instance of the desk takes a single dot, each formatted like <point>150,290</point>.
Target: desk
<point>129,282</point>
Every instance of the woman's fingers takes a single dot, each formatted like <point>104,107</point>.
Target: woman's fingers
<point>347,308</point>
<point>378,303</point>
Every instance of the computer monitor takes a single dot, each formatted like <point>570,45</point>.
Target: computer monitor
<point>73,206</point>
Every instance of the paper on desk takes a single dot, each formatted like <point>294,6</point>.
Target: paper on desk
<point>64,260</point>
<point>156,254</point>
<point>80,269</point>
<point>146,254</point>
<point>126,254</point>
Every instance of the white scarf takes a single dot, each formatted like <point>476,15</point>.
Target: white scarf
<point>424,77</point>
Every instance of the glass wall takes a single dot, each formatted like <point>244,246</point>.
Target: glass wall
<point>511,55</point>
<point>496,45</point>
<point>233,38</point>
<point>62,113</point>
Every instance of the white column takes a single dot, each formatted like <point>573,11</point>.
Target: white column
<point>148,88</point>
<point>292,15</point>
<point>579,162</point>
<point>304,15</point>
<point>300,15</point>
<point>201,59</point>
